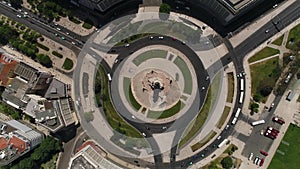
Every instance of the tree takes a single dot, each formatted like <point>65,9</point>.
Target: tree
<point>257,97</point>
<point>16,3</point>
<point>265,91</point>
<point>164,8</point>
<point>227,162</point>
<point>44,60</point>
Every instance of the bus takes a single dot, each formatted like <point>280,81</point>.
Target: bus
<point>222,143</point>
<point>258,122</point>
<point>241,97</point>
<point>234,121</point>
<point>109,77</point>
<point>242,85</point>
<point>237,113</point>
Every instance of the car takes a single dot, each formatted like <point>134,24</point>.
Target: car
<point>267,31</point>
<point>255,160</point>
<point>67,33</point>
<point>250,156</point>
<point>274,6</point>
<point>227,126</point>
<point>161,37</point>
<point>9,4</point>
<point>272,129</point>
<point>271,107</point>
<point>4,2</point>
<point>20,10</point>
<point>207,77</point>
<point>272,133</point>
<point>261,162</point>
<point>26,13</point>
<point>73,43</point>
<point>127,45</point>
<point>63,38</point>
<point>56,34</point>
<point>132,115</point>
<point>25,16</point>
<point>174,39</point>
<point>263,153</point>
<point>213,156</point>
<point>19,16</point>
<point>258,161</point>
<point>58,29</point>
<point>219,137</point>
<point>164,127</point>
<point>183,42</point>
<point>144,134</point>
<point>151,37</point>
<point>269,136</point>
<point>278,120</point>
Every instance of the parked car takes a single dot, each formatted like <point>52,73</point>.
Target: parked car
<point>269,136</point>
<point>272,129</point>
<point>272,133</point>
<point>262,162</point>
<point>278,120</point>
<point>263,153</point>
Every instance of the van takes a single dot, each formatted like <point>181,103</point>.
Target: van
<point>250,157</point>
<point>3,127</point>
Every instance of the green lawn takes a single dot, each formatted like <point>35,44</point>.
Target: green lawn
<point>199,121</point>
<point>223,117</point>
<point>128,94</point>
<point>68,64</point>
<point>278,41</point>
<point>201,143</point>
<point>167,113</point>
<point>230,87</point>
<point>188,86</point>
<point>290,159</point>
<point>264,53</point>
<point>294,35</point>
<point>149,55</point>
<point>264,74</point>
<point>112,117</point>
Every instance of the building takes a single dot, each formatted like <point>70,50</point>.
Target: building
<point>99,5</point>
<point>7,67</point>
<point>90,156</point>
<point>16,140</point>
<point>40,96</point>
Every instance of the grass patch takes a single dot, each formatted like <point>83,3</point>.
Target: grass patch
<point>224,116</point>
<point>230,93</point>
<point>42,46</point>
<point>201,143</point>
<point>188,86</point>
<point>128,94</point>
<point>74,20</point>
<point>264,53</point>
<point>167,113</point>
<point>290,158</point>
<point>112,117</point>
<point>68,64</point>
<point>87,25</point>
<point>199,121</point>
<point>294,37</point>
<point>57,54</point>
<point>278,41</point>
<point>149,55</point>
<point>264,74</point>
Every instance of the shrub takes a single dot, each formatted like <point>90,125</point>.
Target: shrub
<point>57,54</point>
<point>227,162</point>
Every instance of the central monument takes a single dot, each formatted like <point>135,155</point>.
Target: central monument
<point>155,89</point>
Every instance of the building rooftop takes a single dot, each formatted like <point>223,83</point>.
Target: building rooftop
<point>7,67</point>
<point>57,89</point>
<point>25,71</point>
<point>19,126</point>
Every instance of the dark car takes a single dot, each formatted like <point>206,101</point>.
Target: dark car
<point>273,130</point>
<point>263,153</point>
<point>262,162</point>
<point>269,136</point>
<point>278,120</point>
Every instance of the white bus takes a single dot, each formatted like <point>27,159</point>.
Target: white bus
<point>222,143</point>
<point>234,121</point>
<point>241,97</point>
<point>242,85</point>
<point>258,122</point>
<point>109,77</point>
<point>237,113</point>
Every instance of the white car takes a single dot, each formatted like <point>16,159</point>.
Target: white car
<point>73,43</point>
<point>9,5</point>
<point>127,45</point>
<point>19,16</point>
<point>267,31</point>
<point>161,37</point>
<point>26,13</point>
<point>58,29</point>
<point>250,157</point>
<point>144,134</point>
<point>151,37</point>
<point>131,116</point>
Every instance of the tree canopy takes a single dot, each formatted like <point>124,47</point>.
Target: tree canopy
<point>165,8</point>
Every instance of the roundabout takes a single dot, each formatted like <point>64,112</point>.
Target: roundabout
<point>157,87</point>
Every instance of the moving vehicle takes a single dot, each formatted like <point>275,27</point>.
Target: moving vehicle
<point>161,37</point>
<point>278,120</point>
<point>222,143</point>
<point>237,113</point>
<point>258,122</point>
<point>242,85</point>
<point>241,97</point>
<point>234,120</point>
<point>109,77</point>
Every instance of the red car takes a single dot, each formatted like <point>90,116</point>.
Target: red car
<point>278,120</point>
<point>273,130</point>
<point>262,162</point>
<point>264,153</point>
<point>272,133</point>
<point>269,136</point>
